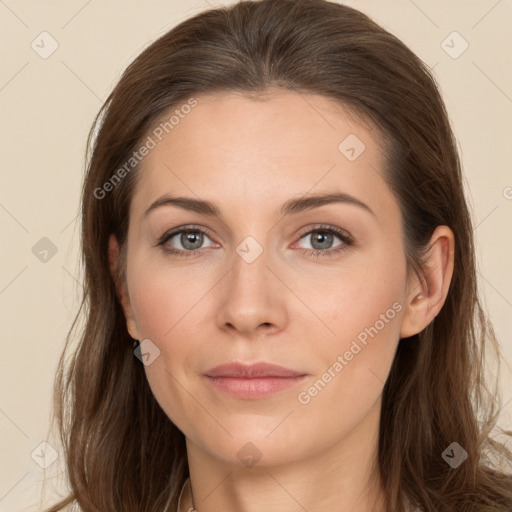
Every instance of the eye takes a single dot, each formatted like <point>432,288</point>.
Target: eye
<point>321,241</point>
<point>190,239</point>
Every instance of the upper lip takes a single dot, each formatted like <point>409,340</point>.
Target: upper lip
<point>249,371</point>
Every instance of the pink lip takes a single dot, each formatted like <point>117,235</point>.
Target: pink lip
<point>251,371</point>
<point>252,381</point>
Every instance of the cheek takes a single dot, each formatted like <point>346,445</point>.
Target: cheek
<point>360,295</point>
<point>164,299</point>
<point>361,309</point>
<point>170,309</point>
<point>163,303</point>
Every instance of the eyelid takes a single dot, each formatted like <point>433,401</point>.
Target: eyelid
<point>178,229</point>
<point>343,233</point>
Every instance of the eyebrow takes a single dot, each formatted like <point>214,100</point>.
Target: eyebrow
<point>298,205</point>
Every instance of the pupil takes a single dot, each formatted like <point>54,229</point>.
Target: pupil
<point>325,237</point>
<point>190,237</point>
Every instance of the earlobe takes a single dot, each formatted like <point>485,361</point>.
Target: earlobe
<point>120,285</point>
<point>427,296</point>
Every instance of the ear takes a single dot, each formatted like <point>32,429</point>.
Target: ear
<point>426,297</point>
<point>121,287</point>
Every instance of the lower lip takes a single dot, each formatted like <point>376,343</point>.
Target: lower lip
<point>260,387</point>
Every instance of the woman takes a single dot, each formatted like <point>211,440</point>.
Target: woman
<point>225,365</point>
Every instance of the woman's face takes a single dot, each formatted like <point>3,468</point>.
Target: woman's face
<point>255,287</point>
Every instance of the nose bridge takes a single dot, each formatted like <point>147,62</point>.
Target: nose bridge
<point>250,272</point>
<point>251,294</point>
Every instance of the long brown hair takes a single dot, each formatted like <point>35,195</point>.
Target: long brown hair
<point>122,451</point>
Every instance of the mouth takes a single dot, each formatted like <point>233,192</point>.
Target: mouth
<point>252,381</point>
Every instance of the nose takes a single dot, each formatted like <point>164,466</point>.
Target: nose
<point>252,298</point>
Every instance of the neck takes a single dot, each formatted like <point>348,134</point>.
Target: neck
<point>342,478</point>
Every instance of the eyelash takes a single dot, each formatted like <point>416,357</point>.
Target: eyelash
<point>343,235</point>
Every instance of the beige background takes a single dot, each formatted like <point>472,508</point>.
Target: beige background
<point>48,105</point>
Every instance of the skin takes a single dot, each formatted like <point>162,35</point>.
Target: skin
<point>249,156</point>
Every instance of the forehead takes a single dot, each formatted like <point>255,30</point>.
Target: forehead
<point>253,151</point>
